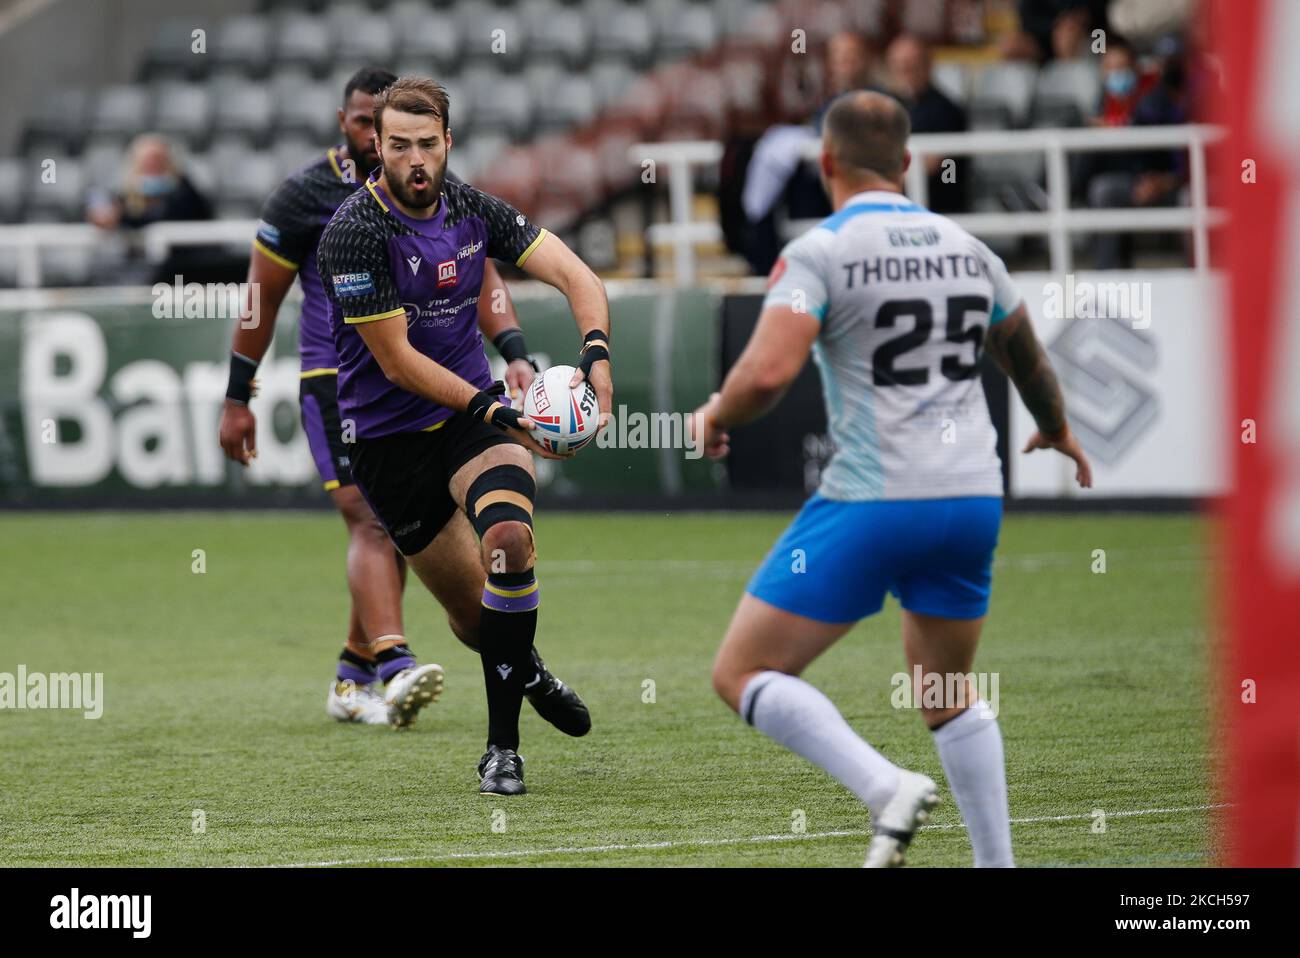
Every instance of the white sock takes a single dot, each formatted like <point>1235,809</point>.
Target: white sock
<point>970,748</point>
<point>805,721</point>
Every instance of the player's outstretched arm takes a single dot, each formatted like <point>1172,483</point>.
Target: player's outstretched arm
<point>770,362</point>
<point>407,368</point>
<point>554,263</point>
<point>268,283</point>
<point>1018,353</point>
<point>499,324</point>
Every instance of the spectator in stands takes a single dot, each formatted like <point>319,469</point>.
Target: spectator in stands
<point>908,63</point>
<point>153,189</point>
<point>778,185</point>
<point>1054,29</point>
<point>1122,84</point>
<point>1137,178</point>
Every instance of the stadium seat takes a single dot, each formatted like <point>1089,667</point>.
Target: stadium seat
<point>611,80</point>
<point>469,160</point>
<point>1001,96</point>
<point>58,124</point>
<point>292,153</point>
<point>13,191</point>
<point>572,101</point>
<point>429,40</point>
<point>244,43</point>
<point>572,174</point>
<point>182,110</point>
<point>622,31</point>
<point>683,28</point>
<point>121,110</point>
<point>500,103</point>
<point>1067,93</point>
<point>361,35</point>
<point>952,80</point>
<point>733,15</point>
<point>242,106</point>
<point>697,101</point>
<point>63,198</point>
<point>303,40</point>
<point>558,33</point>
<point>758,30</point>
<point>102,163</point>
<point>171,50</point>
<point>244,176</point>
<point>479,26</point>
<point>305,108</point>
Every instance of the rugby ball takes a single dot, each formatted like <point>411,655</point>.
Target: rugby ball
<point>564,419</point>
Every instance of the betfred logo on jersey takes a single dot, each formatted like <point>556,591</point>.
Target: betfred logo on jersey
<point>447,273</point>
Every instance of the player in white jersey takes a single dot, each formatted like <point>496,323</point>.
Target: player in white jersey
<point>896,305</point>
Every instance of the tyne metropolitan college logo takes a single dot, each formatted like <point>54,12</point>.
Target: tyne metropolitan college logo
<point>1105,365</point>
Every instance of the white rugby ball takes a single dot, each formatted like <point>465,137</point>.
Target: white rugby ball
<point>564,419</point>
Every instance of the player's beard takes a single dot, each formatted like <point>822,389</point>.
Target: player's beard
<point>423,199</point>
<point>364,155</point>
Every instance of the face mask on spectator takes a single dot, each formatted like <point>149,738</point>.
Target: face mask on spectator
<point>1120,83</point>
<point>156,184</point>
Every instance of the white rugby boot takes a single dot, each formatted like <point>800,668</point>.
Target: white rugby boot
<point>411,690</point>
<point>898,821</point>
<point>349,702</point>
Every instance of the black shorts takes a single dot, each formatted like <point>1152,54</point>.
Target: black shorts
<point>318,398</point>
<point>406,477</point>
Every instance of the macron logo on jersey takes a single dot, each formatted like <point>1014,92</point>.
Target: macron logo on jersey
<point>353,284</point>
<point>414,263</point>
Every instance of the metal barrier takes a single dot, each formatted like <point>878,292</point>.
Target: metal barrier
<point>1058,222</point>
<point>27,240</point>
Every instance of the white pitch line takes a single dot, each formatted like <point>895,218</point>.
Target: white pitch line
<point>710,842</point>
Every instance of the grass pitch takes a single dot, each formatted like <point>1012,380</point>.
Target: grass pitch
<point>214,692</point>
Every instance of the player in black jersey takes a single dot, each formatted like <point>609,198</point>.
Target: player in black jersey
<point>285,248</point>
<point>438,450</point>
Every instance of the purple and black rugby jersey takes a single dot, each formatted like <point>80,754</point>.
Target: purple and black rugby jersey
<point>292,220</point>
<point>377,263</point>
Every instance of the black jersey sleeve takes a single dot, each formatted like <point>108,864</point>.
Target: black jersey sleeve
<point>511,235</point>
<point>356,274</point>
<point>287,229</point>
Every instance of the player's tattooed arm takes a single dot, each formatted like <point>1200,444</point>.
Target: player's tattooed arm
<point>1020,355</point>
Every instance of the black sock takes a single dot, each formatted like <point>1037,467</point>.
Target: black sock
<point>505,637</point>
<point>354,668</point>
<point>393,660</point>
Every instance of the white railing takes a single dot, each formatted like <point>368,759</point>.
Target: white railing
<point>28,239</point>
<point>1058,222</point>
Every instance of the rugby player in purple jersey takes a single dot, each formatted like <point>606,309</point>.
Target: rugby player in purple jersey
<point>440,455</point>
<point>285,248</point>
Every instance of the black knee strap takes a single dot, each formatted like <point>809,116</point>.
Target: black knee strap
<point>500,494</point>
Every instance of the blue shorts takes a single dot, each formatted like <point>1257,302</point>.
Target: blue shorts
<point>837,560</point>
